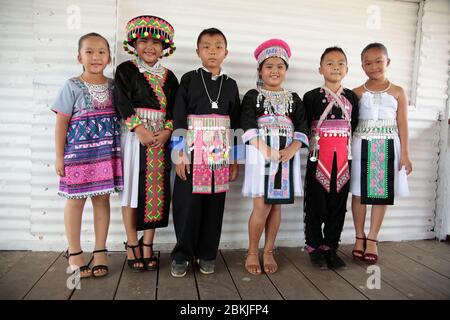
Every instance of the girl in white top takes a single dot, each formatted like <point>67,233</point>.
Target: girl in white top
<point>380,150</point>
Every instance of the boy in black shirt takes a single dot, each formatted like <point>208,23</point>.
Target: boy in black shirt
<point>207,106</point>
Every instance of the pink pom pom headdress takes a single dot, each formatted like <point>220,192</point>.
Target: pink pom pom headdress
<point>272,48</point>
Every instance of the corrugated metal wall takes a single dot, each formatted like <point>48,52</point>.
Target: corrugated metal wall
<point>32,214</point>
<point>432,93</point>
<point>16,118</point>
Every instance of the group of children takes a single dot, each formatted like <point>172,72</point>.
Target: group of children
<point>191,124</point>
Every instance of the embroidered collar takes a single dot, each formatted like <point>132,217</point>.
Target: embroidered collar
<point>157,69</point>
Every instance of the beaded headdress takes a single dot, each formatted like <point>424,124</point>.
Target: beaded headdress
<point>149,27</point>
<point>272,48</point>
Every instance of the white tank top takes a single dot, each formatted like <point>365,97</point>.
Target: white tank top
<point>377,106</point>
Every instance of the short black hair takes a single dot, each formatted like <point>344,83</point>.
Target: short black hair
<point>89,35</point>
<point>375,45</point>
<point>332,49</point>
<point>211,32</point>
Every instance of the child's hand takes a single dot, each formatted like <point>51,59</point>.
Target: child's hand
<point>160,138</point>
<point>234,171</point>
<point>59,167</point>
<point>271,154</point>
<point>145,136</point>
<point>183,166</point>
<point>404,161</point>
<point>288,153</point>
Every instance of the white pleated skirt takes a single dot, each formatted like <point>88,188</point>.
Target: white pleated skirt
<point>255,172</point>
<point>130,158</point>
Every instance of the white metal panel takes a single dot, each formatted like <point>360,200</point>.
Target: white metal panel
<point>16,116</point>
<point>26,171</point>
<point>432,93</point>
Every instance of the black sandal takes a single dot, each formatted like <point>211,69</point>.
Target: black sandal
<point>100,267</point>
<point>150,264</point>
<point>82,269</point>
<point>132,262</point>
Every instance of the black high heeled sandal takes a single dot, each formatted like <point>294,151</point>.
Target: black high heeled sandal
<point>150,264</point>
<point>100,267</point>
<point>82,269</point>
<point>132,262</point>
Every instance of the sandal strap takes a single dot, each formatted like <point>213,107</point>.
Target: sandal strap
<point>132,249</point>
<point>141,241</point>
<point>373,240</point>
<point>130,246</point>
<point>100,250</point>
<point>67,255</point>
<point>359,238</point>
<point>100,266</point>
<point>84,268</point>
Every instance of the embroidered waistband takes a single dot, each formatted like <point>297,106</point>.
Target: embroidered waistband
<point>331,127</point>
<point>153,120</point>
<point>376,129</point>
<point>208,122</point>
<point>209,137</point>
<point>275,125</point>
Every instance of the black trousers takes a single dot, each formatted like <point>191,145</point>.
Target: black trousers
<point>323,208</point>
<point>197,220</point>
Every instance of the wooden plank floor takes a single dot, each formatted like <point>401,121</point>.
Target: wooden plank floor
<point>408,270</point>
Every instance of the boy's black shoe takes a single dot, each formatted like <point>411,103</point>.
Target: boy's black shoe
<point>318,260</point>
<point>333,260</point>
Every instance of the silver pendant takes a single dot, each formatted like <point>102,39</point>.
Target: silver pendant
<point>214,105</point>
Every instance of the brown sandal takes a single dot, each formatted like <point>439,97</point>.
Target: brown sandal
<point>269,266</point>
<point>250,267</point>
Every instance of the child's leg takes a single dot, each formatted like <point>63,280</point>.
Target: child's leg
<point>359,218</point>
<point>256,226</point>
<point>187,211</point>
<point>149,236</point>
<point>376,219</point>
<point>129,221</point>
<point>271,230</point>
<point>101,208</point>
<point>73,211</point>
<point>315,208</point>
<point>334,221</point>
<point>210,228</point>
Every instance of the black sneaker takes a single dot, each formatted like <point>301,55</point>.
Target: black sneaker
<point>178,269</point>
<point>333,260</point>
<point>206,266</point>
<point>318,260</point>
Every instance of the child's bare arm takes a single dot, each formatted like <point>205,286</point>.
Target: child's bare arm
<point>182,166</point>
<point>358,91</point>
<point>402,124</point>
<point>62,123</point>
